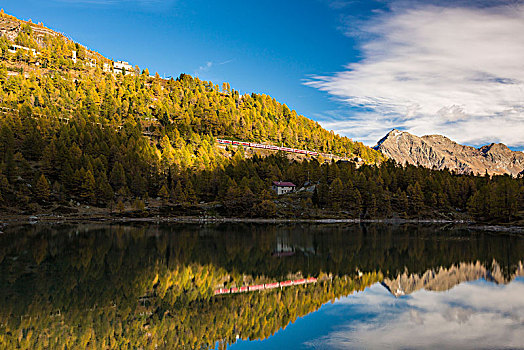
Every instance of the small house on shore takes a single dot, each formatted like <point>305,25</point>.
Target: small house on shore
<point>281,187</point>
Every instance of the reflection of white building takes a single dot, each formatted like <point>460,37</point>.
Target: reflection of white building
<point>290,243</point>
<point>283,247</point>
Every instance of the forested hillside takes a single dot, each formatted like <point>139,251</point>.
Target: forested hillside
<point>69,115</point>
<point>75,129</point>
<point>343,190</point>
<point>57,85</point>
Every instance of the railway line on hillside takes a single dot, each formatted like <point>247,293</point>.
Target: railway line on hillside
<point>282,149</point>
<point>6,110</point>
<point>265,286</point>
<point>263,146</point>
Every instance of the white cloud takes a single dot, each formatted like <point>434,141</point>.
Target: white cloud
<point>205,67</point>
<point>457,71</point>
<point>470,316</point>
<point>210,64</point>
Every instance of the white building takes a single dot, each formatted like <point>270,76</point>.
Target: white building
<point>283,187</point>
<point>122,67</point>
<point>73,54</point>
<point>106,67</point>
<point>15,48</point>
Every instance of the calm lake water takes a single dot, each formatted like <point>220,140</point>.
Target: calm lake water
<point>153,286</point>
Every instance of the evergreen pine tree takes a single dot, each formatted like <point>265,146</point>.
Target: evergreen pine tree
<point>163,192</point>
<point>88,188</point>
<point>179,194</point>
<point>41,189</point>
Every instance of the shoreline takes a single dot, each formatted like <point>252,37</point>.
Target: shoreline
<point>57,219</point>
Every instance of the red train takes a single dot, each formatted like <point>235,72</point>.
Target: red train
<point>271,147</point>
<point>265,286</point>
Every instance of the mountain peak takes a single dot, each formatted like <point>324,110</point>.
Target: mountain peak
<point>393,133</point>
<point>495,147</point>
<point>437,151</point>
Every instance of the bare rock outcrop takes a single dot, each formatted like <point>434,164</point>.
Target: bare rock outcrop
<point>443,279</point>
<point>439,152</point>
<point>9,28</point>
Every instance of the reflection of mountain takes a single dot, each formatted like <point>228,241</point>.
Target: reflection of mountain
<point>443,279</point>
<point>123,286</point>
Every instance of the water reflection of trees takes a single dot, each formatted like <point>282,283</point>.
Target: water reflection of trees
<point>341,249</point>
<point>123,286</point>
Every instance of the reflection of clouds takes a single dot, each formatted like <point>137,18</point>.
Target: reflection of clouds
<point>415,317</point>
<point>457,314</point>
<point>470,316</point>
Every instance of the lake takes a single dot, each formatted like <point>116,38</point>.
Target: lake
<point>305,286</point>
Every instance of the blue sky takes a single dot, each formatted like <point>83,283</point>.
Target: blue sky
<point>358,67</point>
<point>266,47</point>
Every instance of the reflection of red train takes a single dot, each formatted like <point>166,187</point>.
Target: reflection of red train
<point>271,147</point>
<point>265,286</point>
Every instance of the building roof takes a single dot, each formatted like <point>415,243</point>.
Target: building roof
<point>283,184</point>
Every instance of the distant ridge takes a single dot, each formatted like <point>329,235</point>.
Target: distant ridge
<point>442,279</point>
<point>437,151</point>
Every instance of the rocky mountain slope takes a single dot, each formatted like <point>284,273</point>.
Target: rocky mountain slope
<point>436,151</point>
<point>444,279</point>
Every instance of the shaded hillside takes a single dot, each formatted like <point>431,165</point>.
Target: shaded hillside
<point>439,152</point>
